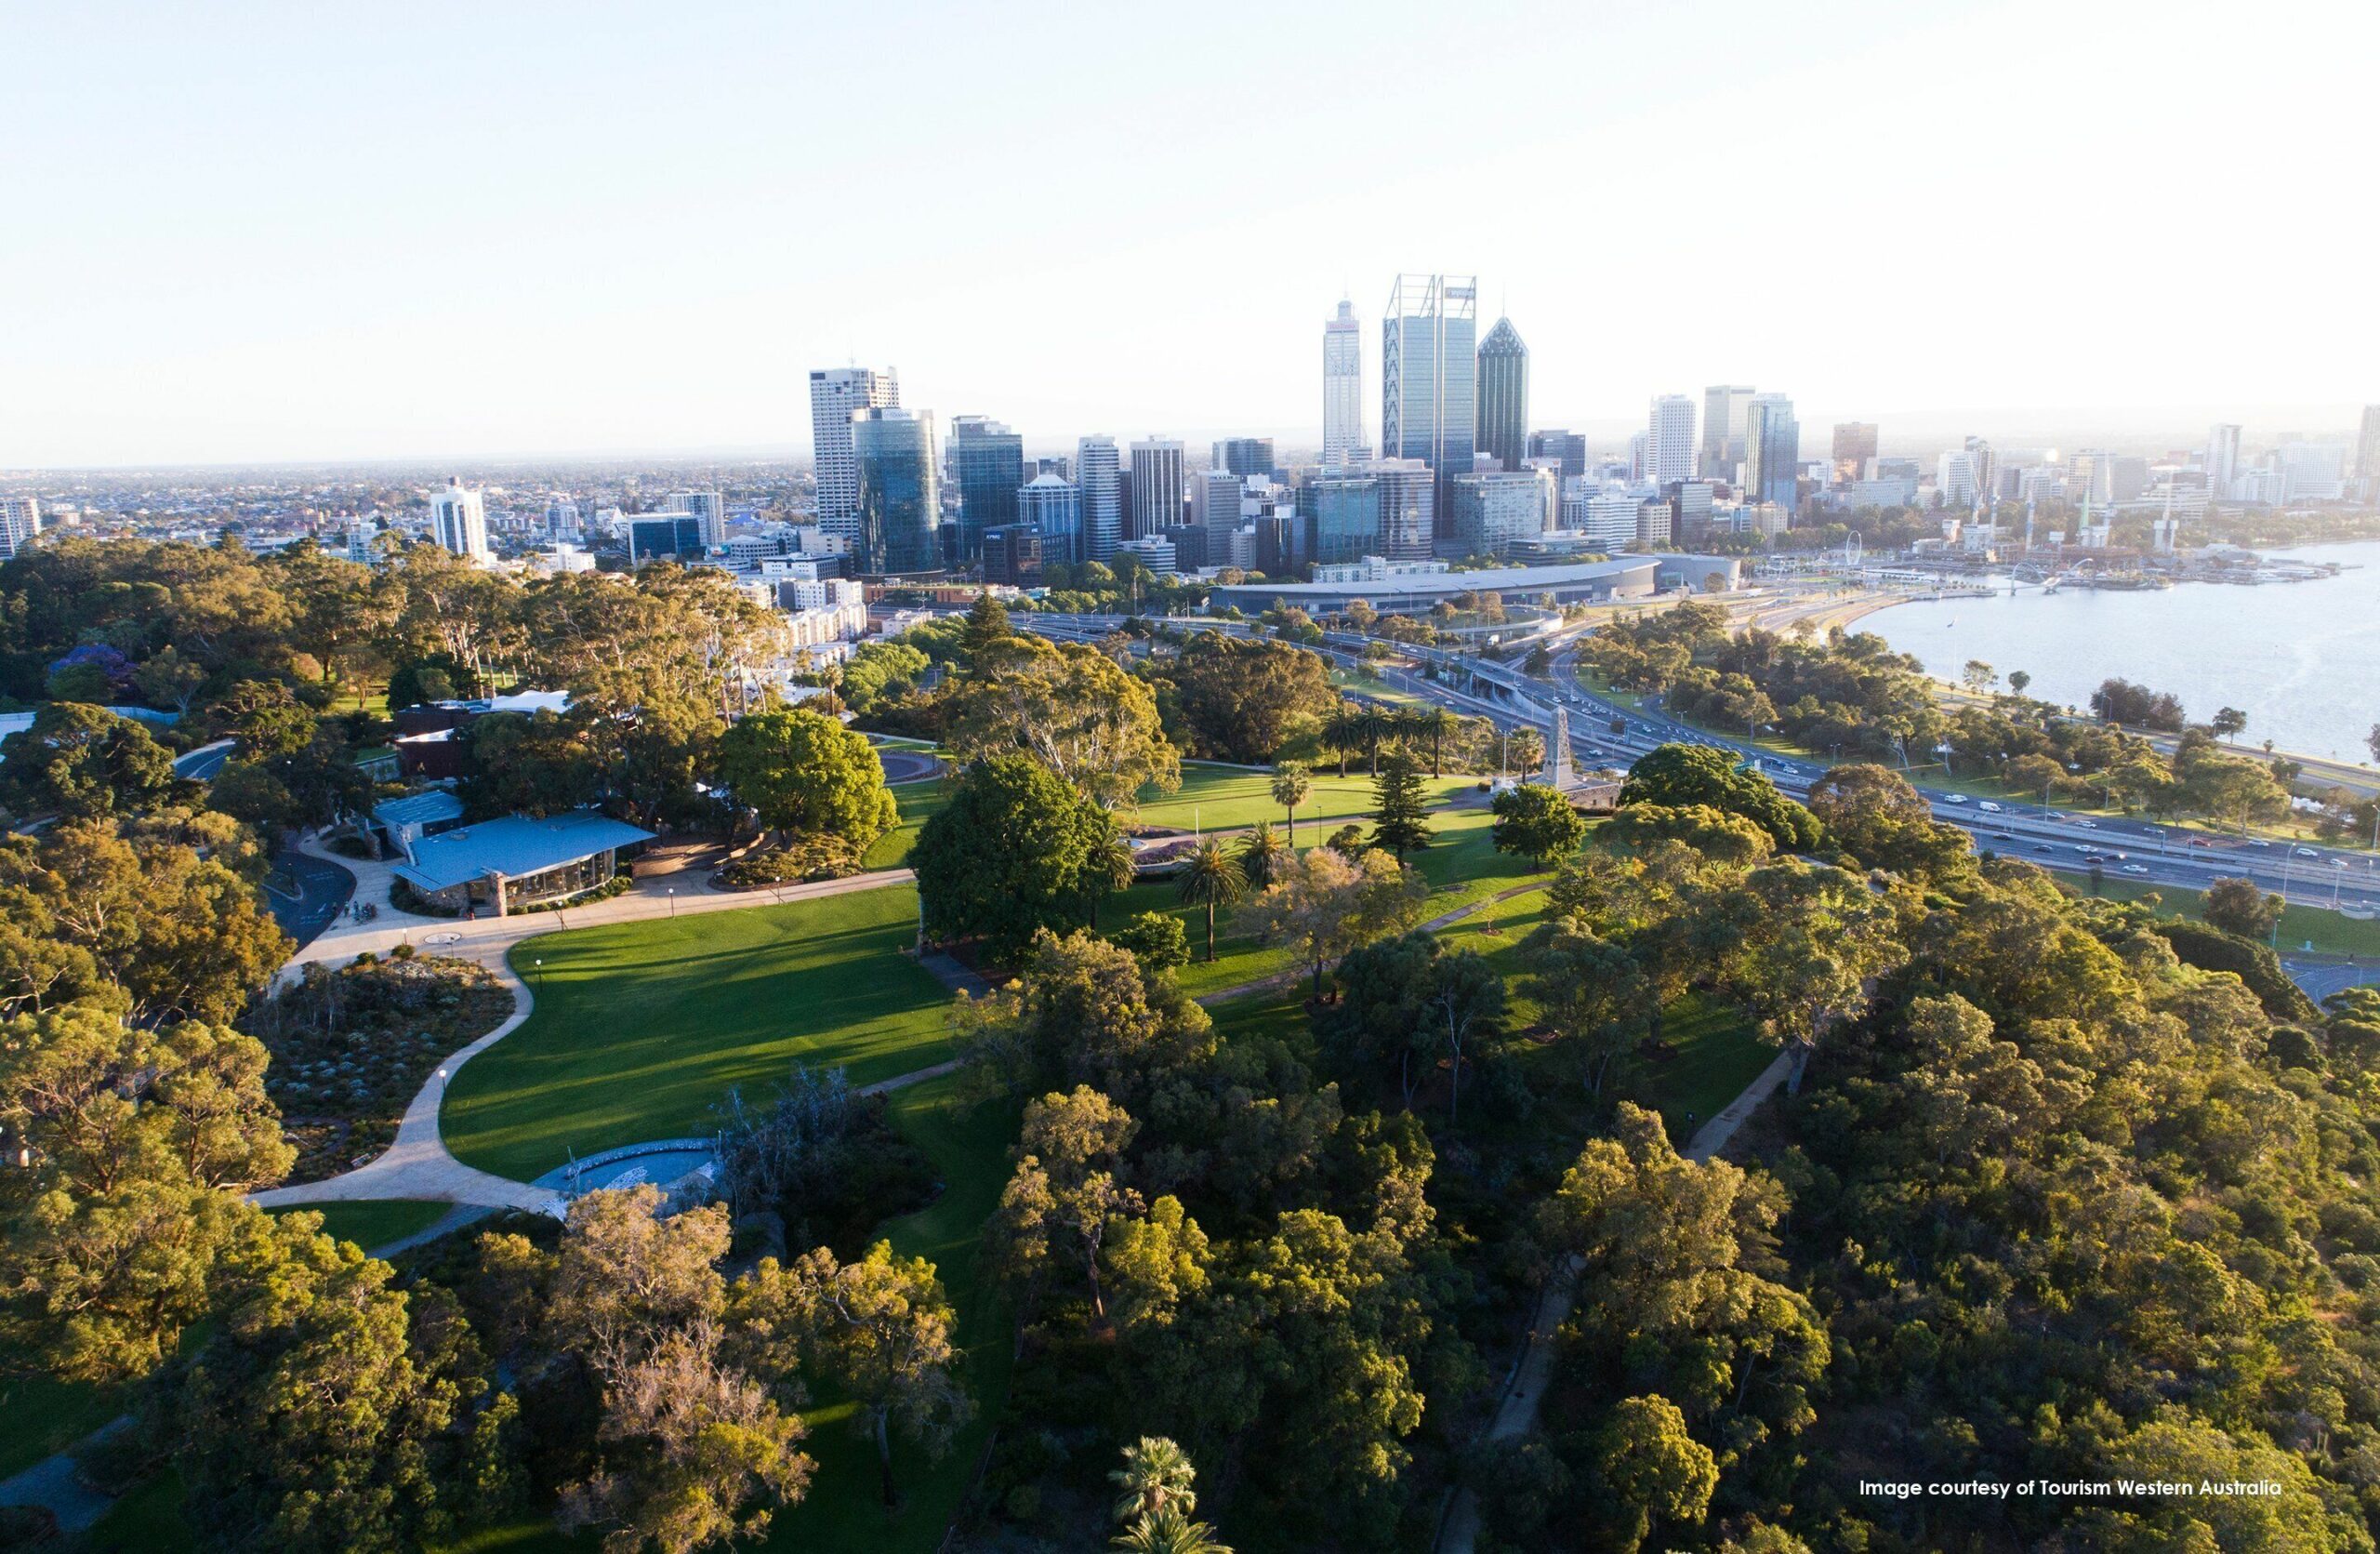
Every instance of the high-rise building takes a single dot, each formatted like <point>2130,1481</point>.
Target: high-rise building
<point>1427,365</point>
<point>1157,477</point>
<point>1495,510</point>
<point>1247,457</point>
<point>987,466</point>
<point>1669,440</point>
<point>561,517</point>
<point>666,535</point>
<point>1053,509</point>
<point>458,520</point>
<point>2091,477</point>
<point>1502,412</point>
<point>1725,407</point>
<point>1567,446</point>
<point>2367,444</point>
<point>20,521</point>
<point>835,394</point>
<point>1338,518</point>
<point>1954,479</point>
<point>1407,507</point>
<point>1215,500</point>
<point>1772,452</point>
<point>707,505</point>
<point>1012,555</point>
<point>1099,474</point>
<point>2223,455</point>
<point>1855,443</point>
<point>900,500</point>
<point>1342,388</point>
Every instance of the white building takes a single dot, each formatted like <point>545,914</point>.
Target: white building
<point>2315,471</point>
<point>459,521</point>
<point>1156,552</point>
<point>1157,476</point>
<point>834,392</point>
<point>1669,440</point>
<point>1099,475</point>
<point>1954,479</point>
<point>2222,457</point>
<point>1377,569</point>
<point>709,506</point>
<point>1607,517</point>
<point>1342,389</point>
<point>561,517</point>
<point>1653,524</point>
<point>1215,500</point>
<point>20,521</point>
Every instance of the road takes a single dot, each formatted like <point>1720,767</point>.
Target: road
<point>305,893</point>
<point>2135,851</point>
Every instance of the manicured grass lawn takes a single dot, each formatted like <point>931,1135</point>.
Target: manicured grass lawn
<point>2327,932</point>
<point>379,1222</point>
<point>919,801</point>
<point>642,1027</point>
<point>1714,1053</point>
<point>40,1417</point>
<point>147,1521</point>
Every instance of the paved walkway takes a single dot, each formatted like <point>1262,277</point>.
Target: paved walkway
<point>1516,1411</point>
<point>54,1483</point>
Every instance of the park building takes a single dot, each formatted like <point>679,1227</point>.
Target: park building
<point>520,862</point>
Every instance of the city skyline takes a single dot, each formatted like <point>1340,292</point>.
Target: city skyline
<point>307,293</point>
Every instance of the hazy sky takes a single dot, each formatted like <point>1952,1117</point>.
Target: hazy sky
<point>263,231</point>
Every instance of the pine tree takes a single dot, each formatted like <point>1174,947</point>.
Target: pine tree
<point>1397,822</point>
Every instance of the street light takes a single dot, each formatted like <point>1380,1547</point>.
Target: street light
<point>673,900</point>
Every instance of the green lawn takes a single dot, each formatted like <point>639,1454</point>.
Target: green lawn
<point>640,1028</point>
<point>40,1416</point>
<point>377,1222</point>
<point>147,1521</point>
<point>2324,930</point>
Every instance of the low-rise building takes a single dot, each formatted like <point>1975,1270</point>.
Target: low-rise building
<point>517,861</point>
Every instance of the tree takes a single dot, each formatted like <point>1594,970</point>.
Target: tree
<point>535,763</point>
<point>1169,1531</point>
<point>809,775</point>
<point>79,760</point>
<point>2017,681</point>
<point>266,718</point>
<point>2372,741</point>
<point>1070,707</point>
<point>1084,1012</point>
<point>1382,1014</point>
<point>1263,856</point>
<point>1014,850</point>
<point>169,680</point>
<point>1812,939</point>
<point>1155,1474</point>
<point>2237,905</point>
<point>1537,822</point>
<point>1435,724</point>
<point>2228,722</point>
<point>1652,1469</point>
<point>1878,818</point>
<point>1327,904</point>
<point>1978,676</point>
<point>987,628</point>
<point>1155,940</point>
<point>1682,775</point>
<point>1715,834</point>
<point>1211,878</point>
<point>1589,992</point>
<point>1466,1000</point>
<point>878,1329</point>
<point>1399,807</point>
<point>1234,700</point>
<point>1065,1192</point>
<point>1292,783</point>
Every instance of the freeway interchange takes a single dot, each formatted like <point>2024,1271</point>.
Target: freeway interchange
<point>2126,848</point>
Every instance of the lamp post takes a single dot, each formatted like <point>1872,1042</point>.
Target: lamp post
<point>673,900</point>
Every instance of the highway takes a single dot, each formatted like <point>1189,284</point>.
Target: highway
<point>2136,851</point>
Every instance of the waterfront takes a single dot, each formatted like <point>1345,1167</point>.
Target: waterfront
<point>2301,659</point>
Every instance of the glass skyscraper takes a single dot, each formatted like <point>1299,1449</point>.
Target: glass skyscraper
<point>1099,470</point>
<point>1772,452</point>
<point>1338,518</point>
<point>988,465</point>
<point>899,499</point>
<point>1342,388</point>
<point>1054,508</point>
<point>1429,367</point>
<point>1503,396</point>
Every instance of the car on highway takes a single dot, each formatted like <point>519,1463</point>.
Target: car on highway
<point>2307,853</point>
<point>1955,798</point>
<point>2136,869</point>
<point>2088,825</point>
<point>2041,846</point>
<point>1989,807</point>
<point>2253,841</point>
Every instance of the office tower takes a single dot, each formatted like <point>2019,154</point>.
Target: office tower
<point>1668,441</point>
<point>1012,555</point>
<point>707,505</point>
<point>665,536</point>
<point>1987,466</point>
<point>1338,518</point>
<point>1407,507</point>
<point>1100,475</point>
<point>1053,509</point>
<point>2091,477</point>
<point>1567,446</point>
<point>1494,510</point>
<point>835,395</point>
<point>2223,455</point>
<point>1215,500</point>
<point>1056,464</point>
<point>2129,478</point>
<point>1606,516</point>
<point>1427,365</point>
<point>2312,471</point>
<point>1157,477</point>
<point>1502,411</point>
<point>1954,479</point>
<point>1342,388</point>
<point>1855,443</point>
<point>2367,444</point>
<point>1247,457</point>
<point>1772,452</point>
<point>1724,407</point>
<point>987,466</point>
<point>458,520</point>
<point>900,500</point>
<point>20,521</point>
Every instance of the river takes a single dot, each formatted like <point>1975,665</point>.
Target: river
<point>2301,659</point>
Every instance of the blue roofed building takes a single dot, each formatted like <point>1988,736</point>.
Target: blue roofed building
<point>517,861</point>
<point>397,824</point>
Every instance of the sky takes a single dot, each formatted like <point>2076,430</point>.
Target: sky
<point>274,231</point>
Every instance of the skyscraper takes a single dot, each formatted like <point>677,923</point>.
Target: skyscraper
<point>1502,412</point>
<point>20,521</point>
<point>1772,452</point>
<point>458,520</point>
<point>1099,472</point>
<point>2223,455</point>
<point>834,392</point>
<point>987,466</point>
<point>1215,500</point>
<point>709,506</point>
<point>1157,477</point>
<point>1342,388</point>
<point>2367,444</point>
<point>1855,443</point>
<point>1053,509</point>
<point>1669,440</point>
<point>1245,457</point>
<point>1407,507</point>
<point>1338,518</point>
<point>1567,446</point>
<point>1724,407</point>
<point>900,502</point>
<point>1428,365</point>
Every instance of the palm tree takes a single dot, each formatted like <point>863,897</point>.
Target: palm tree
<point>1339,731</point>
<point>1262,855</point>
<point>1437,723</point>
<point>1109,867</point>
<point>1156,1477</point>
<point>1169,1531</point>
<point>1290,787</point>
<point>1373,725</point>
<point>1213,878</point>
